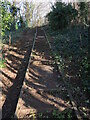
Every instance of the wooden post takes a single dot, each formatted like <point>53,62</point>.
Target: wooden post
<point>9,39</point>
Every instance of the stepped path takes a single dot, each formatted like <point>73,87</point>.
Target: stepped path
<point>17,56</point>
<point>42,90</point>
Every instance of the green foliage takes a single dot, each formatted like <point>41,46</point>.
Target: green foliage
<point>83,11</point>
<point>6,17</point>
<point>61,15</point>
<point>13,10</point>
<point>84,73</point>
<point>16,26</point>
<point>66,114</point>
<point>22,22</point>
<point>2,60</point>
<point>29,9</point>
<point>59,61</point>
<point>2,63</point>
<point>71,47</point>
<point>40,115</point>
<point>9,20</point>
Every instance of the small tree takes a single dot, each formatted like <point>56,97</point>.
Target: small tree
<point>61,15</point>
<point>6,17</point>
<point>29,10</point>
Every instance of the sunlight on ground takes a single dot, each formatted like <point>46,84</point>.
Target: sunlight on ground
<point>16,54</point>
<point>8,72</point>
<point>50,100</point>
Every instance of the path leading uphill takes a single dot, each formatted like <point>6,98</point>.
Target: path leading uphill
<point>13,74</point>
<point>42,91</point>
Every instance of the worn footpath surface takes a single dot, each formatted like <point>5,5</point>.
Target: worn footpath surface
<point>42,90</point>
<point>17,56</point>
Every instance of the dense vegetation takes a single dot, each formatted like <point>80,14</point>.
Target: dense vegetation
<point>9,18</point>
<point>71,45</point>
<point>68,28</point>
<point>72,42</point>
<point>61,15</point>
<point>11,24</point>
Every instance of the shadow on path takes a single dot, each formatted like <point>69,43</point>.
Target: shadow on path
<point>19,65</point>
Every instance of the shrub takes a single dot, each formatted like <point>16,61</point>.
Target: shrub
<point>6,17</point>
<point>61,15</point>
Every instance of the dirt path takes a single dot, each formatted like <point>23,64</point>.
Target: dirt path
<point>13,74</point>
<point>42,90</point>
